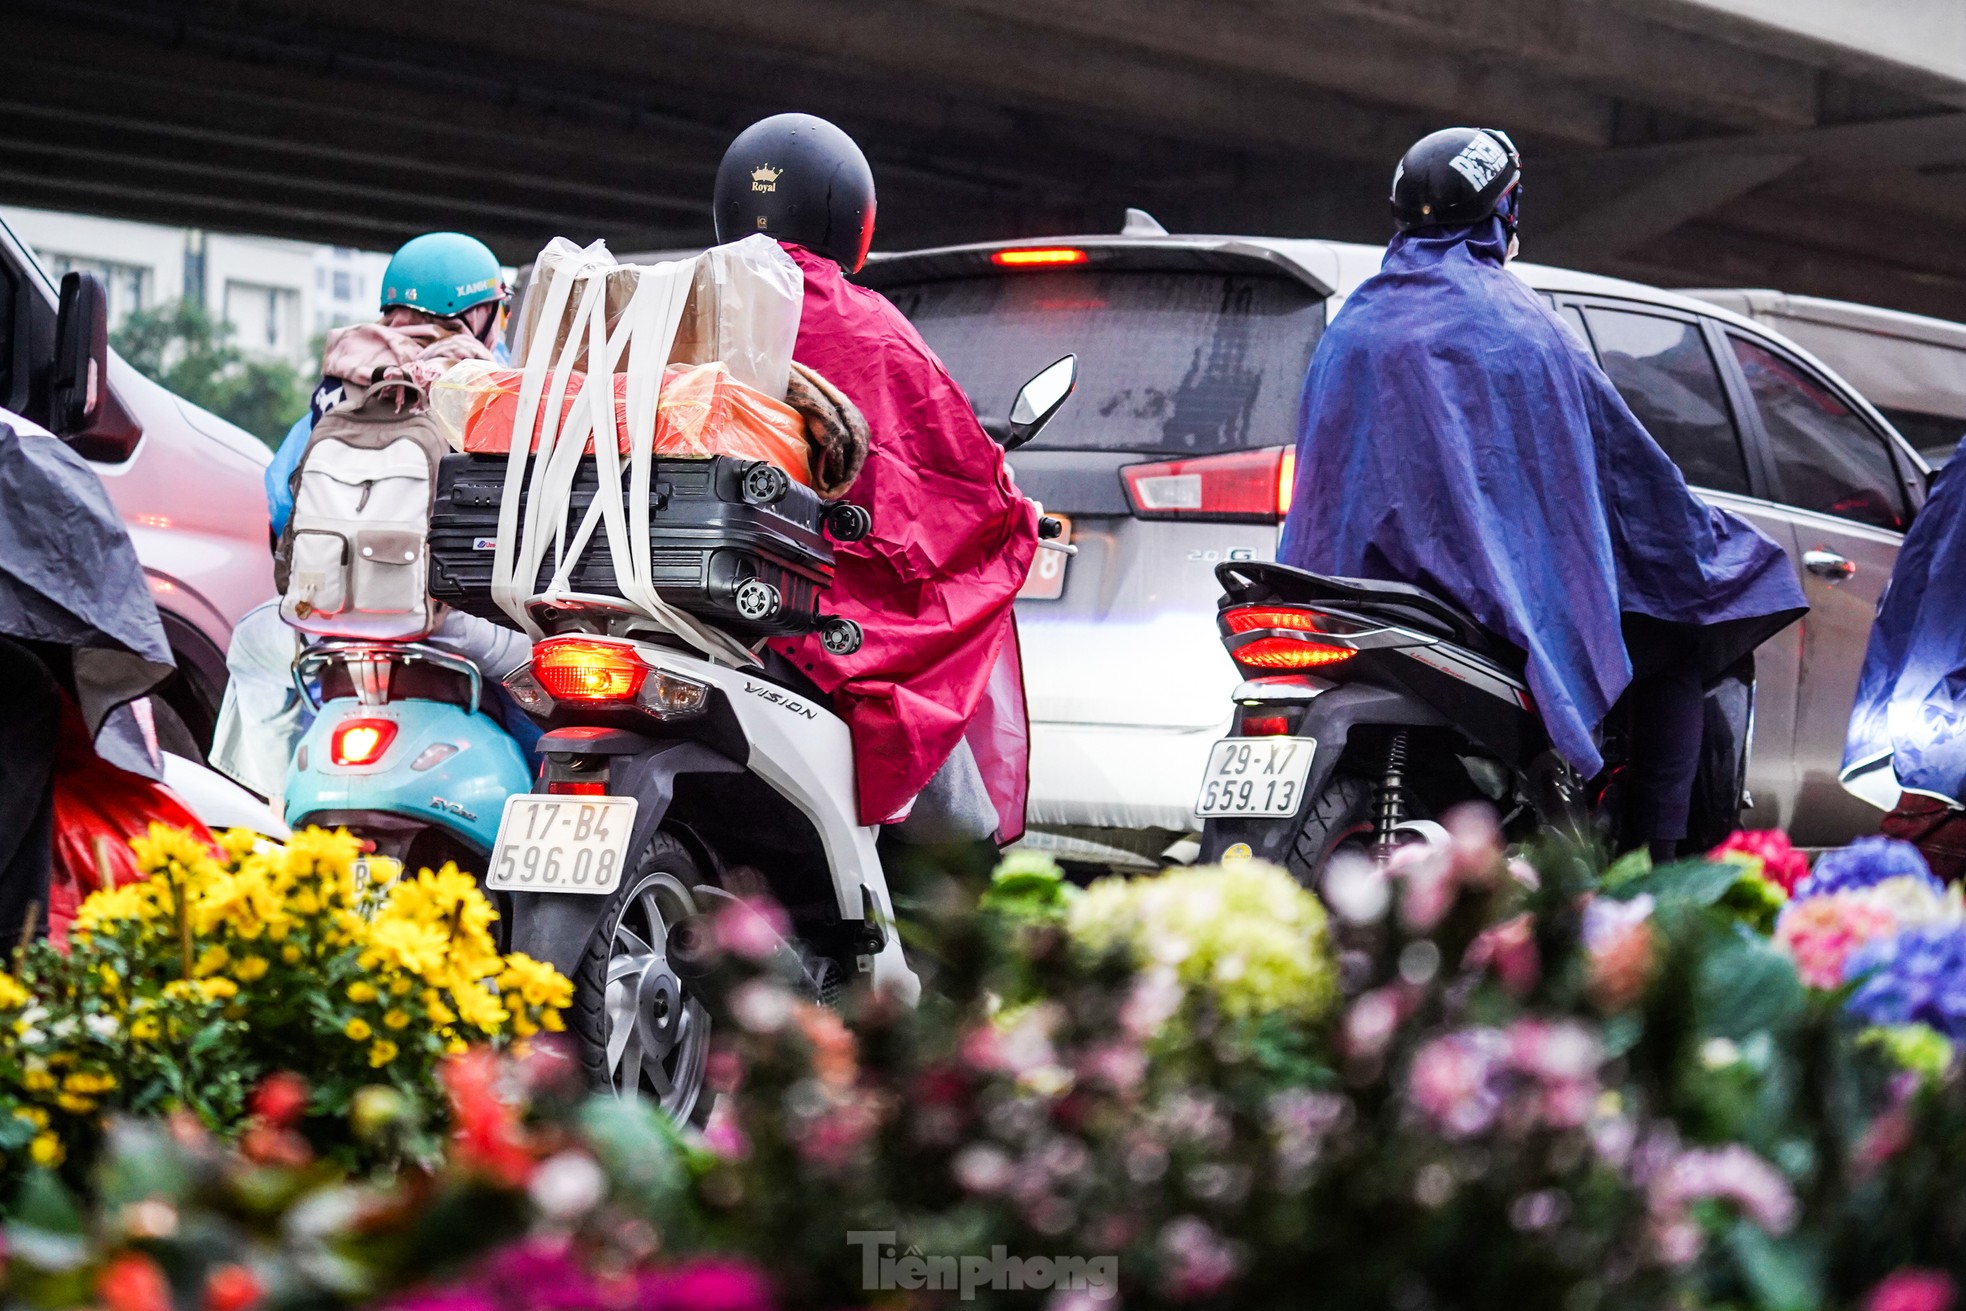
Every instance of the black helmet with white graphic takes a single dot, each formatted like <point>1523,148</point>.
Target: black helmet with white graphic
<point>798,178</point>
<point>1456,177</point>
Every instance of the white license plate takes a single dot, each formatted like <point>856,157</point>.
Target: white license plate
<point>561,844</point>
<point>1256,777</point>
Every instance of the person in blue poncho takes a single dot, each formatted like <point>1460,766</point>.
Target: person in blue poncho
<point>1455,435</point>
<point>1906,750</point>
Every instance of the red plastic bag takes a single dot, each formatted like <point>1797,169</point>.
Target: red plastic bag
<point>704,412</point>
<point>98,809</point>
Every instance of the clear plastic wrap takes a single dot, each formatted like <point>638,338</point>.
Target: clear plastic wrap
<point>704,411</point>
<point>743,307</point>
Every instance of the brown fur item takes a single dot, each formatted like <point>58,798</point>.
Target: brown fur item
<point>836,432</point>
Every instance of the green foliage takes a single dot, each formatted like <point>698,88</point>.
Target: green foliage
<point>181,346</point>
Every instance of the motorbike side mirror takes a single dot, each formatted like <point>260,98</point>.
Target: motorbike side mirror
<point>81,372</point>
<point>1040,399</point>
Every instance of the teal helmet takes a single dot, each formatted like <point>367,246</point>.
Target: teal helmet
<point>442,273</point>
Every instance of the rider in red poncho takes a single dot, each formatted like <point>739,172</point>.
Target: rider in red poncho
<point>934,697</point>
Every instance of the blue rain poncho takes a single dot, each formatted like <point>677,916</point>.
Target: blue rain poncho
<point>1457,436</point>
<point>1910,713</point>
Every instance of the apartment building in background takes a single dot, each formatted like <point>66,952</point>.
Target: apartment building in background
<point>279,296</point>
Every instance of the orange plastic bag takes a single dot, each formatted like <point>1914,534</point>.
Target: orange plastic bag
<point>704,412</point>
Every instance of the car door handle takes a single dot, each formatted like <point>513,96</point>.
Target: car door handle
<point>1828,564</point>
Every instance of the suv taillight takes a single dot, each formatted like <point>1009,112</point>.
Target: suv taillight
<point>1241,486</point>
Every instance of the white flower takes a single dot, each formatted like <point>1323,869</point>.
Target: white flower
<point>104,1027</point>
<point>567,1186</point>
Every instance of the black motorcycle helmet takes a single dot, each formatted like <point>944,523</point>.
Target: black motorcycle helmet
<point>1456,177</point>
<point>798,178</point>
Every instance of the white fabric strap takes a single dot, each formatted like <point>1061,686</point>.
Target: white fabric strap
<point>646,333</point>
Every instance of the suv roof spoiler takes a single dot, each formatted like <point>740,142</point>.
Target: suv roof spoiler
<point>1106,251</point>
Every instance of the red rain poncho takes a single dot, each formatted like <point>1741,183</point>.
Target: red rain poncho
<point>932,584</point>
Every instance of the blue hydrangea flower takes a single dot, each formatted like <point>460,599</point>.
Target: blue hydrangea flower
<point>1863,863</point>
<point>1915,977</point>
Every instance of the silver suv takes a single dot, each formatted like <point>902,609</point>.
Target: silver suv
<point>1176,455</point>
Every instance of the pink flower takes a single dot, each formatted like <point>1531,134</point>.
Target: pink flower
<point>1779,862</point>
<point>1454,1081</point>
<point>1474,842</point>
<point>1732,1174</point>
<point>1912,1289</point>
<point>1508,948</point>
<point>1199,1263</point>
<point>1821,933</point>
<point>753,929</point>
<point>705,1284</point>
<point>1370,1022</point>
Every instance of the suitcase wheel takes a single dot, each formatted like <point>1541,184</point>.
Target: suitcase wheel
<point>765,484</point>
<point>757,600</point>
<point>848,523</point>
<point>840,636</point>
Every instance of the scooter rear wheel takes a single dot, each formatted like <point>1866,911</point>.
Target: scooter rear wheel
<point>639,1027</point>
<point>1340,814</point>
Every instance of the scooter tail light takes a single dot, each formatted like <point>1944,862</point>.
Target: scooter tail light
<point>1250,486</point>
<point>1265,725</point>
<point>566,788</point>
<point>580,669</point>
<point>1289,653</point>
<point>361,741</point>
<point>1240,619</point>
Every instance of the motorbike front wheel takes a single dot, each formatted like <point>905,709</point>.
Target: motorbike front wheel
<point>639,1028</point>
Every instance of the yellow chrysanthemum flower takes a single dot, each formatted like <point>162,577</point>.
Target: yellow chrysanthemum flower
<point>381,1052</point>
<point>75,1103</point>
<point>12,995</point>
<point>396,1018</point>
<point>250,969</point>
<point>358,1029</point>
<point>47,1151</point>
<point>37,1080</point>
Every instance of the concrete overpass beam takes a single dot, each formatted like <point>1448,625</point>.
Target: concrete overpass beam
<point>1913,45</point>
<point>1595,45</point>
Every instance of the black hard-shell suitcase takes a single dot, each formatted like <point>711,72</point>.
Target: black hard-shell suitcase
<point>732,541</point>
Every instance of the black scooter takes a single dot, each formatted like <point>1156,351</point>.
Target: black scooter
<point>1370,708</point>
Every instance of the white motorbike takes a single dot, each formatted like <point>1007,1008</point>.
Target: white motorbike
<point>673,784</point>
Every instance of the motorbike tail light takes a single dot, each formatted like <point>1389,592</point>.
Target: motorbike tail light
<point>1255,618</point>
<point>1038,257</point>
<point>568,788</point>
<point>361,741</point>
<point>1265,725</point>
<point>1240,486</point>
<point>580,669</point>
<point>1288,653</point>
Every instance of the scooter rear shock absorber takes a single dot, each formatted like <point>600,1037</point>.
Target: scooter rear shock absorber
<point>1390,812</point>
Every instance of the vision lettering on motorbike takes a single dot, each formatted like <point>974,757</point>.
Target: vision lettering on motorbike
<point>779,698</point>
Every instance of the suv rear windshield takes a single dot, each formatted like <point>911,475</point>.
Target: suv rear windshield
<point>1169,362</point>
